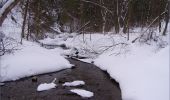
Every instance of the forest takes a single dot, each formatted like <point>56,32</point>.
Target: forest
<point>85,16</point>
<point>84,49</point>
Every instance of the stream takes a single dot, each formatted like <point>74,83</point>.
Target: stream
<point>97,81</point>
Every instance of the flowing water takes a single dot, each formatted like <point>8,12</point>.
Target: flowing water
<point>97,81</point>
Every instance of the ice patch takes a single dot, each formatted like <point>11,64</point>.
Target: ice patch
<point>74,83</point>
<point>83,93</point>
<point>46,86</point>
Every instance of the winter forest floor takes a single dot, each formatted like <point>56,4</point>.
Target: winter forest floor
<point>96,81</point>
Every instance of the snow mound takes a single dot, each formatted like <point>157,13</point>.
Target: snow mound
<point>141,76</point>
<point>83,93</point>
<point>31,59</point>
<point>46,86</point>
<point>74,83</point>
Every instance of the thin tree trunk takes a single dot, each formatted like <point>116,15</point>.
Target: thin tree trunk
<point>28,34</point>
<point>38,20</point>
<point>24,21</point>
<point>159,17</point>
<point>167,14</point>
<point>118,20</point>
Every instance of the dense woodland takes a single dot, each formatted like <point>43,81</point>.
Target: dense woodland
<point>84,16</point>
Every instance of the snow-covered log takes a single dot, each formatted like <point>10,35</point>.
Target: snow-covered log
<point>6,9</point>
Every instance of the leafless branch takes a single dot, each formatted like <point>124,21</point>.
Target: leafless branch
<point>143,33</point>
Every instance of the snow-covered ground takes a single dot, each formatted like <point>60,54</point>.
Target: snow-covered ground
<point>142,69</point>
<point>31,59</point>
<point>141,76</point>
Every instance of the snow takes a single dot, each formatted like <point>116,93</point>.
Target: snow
<point>46,86</point>
<point>28,59</point>
<point>74,83</point>
<point>92,46</point>
<point>142,70</point>
<point>83,93</point>
<point>31,59</point>
<point>6,5</point>
<point>11,28</point>
<point>142,75</point>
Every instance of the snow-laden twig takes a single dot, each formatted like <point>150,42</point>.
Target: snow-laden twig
<point>114,45</point>
<point>7,45</point>
<point>83,26</point>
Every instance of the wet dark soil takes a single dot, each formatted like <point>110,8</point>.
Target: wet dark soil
<point>96,81</point>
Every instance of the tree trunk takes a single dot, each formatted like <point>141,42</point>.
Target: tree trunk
<point>167,14</point>
<point>38,20</point>
<point>24,21</point>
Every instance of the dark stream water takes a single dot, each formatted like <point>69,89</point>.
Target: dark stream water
<point>96,81</point>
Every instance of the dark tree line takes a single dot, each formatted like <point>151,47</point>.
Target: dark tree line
<point>93,15</point>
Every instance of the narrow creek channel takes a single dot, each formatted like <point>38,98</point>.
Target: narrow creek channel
<point>96,81</point>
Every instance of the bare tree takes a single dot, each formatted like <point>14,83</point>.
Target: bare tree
<point>24,21</point>
<point>104,14</point>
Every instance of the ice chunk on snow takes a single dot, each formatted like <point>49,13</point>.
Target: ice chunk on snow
<point>83,93</point>
<point>74,83</point>
<point>46,86</point>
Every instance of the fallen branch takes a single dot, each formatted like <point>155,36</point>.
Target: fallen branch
<point>147,28</point>
<point>83,26</point>
<point>108,47</point>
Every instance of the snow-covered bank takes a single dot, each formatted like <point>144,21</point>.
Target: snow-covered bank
<point>141,68</point>
<point>141,76</point>
<point>31,59</point>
